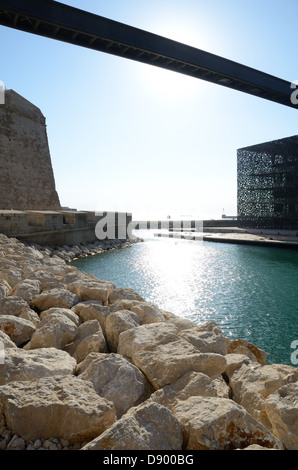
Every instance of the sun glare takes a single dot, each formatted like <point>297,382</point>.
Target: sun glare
<point>168,84</point>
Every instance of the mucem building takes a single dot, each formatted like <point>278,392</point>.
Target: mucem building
<point>268,185</point>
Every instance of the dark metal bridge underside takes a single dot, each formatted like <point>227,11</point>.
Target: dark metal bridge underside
<point>55,20</point>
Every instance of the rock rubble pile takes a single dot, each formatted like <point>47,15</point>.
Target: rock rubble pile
<point>86,365</point>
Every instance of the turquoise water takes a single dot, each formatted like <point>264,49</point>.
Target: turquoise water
<point>251,292</point>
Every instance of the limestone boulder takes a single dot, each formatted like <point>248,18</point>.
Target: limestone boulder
<point>18,329</point>
<point>13,305</point>
<point>89,339</point>
<point>64,407</point>
<point>5,341</point>
<point>54,330</point>
<point>234,362</point>
<point>122,304</point>
<point>75,275</point>
<point>188,385</point>
<point>92,310</point>
<point>180,322</point>
<point>251,384</point>
<point>115,379</point>
<point>124,293</point>
<point>207,337</point>
<point>282,412</point>
<point>289,374</point>
<point>256,447</point>
<point>17,306</point>
<point>221,424</point>
<point>31,253</point>
<point>12,275</point>
<point>29,266</point>
<point>54,285</point>
<point>131,341</point>
<point>87,303</point>
<point>116,323</point>
<point>240,346</point>
<point>56,266</point>
<point>58,297</point>
<point>27,289</point>
<point>163,356</point>
<point>222,388</point>
<point>147,427</point>
<point>8,260</point>
<point>67,312</point>
<point>46,279</point>
<point>34,364</point>
<point>5,288</point>
<point>30,315</point>
<point>147,313</point>
<point>92,289</point>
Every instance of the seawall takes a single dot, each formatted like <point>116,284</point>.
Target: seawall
<point>180,224</point>
<point>228,232</point>
<point>60,228</point>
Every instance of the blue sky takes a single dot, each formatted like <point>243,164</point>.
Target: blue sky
<point>126,136</point>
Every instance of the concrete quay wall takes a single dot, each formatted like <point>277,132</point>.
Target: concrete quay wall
<point>62,227</point>
<point>178,225</point>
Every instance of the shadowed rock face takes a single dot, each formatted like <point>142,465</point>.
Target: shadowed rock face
<point>26,174</point>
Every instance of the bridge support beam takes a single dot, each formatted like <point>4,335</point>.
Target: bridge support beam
<point>64,23</point>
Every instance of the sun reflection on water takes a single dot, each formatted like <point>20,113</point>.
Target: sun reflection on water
<point>250,292</point>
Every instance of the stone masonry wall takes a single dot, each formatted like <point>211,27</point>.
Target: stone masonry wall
<point>26,173</point>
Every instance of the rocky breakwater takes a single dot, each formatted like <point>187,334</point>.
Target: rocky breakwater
<point>71,253</point>
<point>86,365</point>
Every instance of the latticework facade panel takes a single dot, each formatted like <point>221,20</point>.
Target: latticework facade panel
<point>268,185</point>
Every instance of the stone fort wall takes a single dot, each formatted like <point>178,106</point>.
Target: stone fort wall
<point>26,174</point>
<point>29,204</point>
<point>64,227</point>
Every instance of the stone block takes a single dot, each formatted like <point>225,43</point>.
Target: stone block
<point>13,222</point>
<point>45,220</point>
